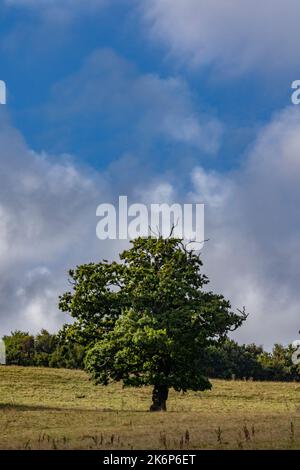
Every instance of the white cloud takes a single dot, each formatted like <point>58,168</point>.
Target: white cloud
<point>252,221</point>
<point>155,193</point>
<point>233,36</point>
<point>253,255</point>
<point>152,107</point>
<point>47,221</point>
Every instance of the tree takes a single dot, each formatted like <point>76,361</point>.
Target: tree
<point>148,319</point>
<point>68,353</point>
<point>44,346</point>
<point>232,359</point>
<point>19,348</point>
<point>278,364</point>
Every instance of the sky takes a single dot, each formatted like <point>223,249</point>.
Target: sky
<point>163,101</point>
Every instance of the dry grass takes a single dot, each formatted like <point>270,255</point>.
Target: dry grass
<point>60,409</point>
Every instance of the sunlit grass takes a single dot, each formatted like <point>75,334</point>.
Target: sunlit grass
<point>57,408</point>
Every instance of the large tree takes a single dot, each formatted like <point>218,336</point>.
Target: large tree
<point>148,318</point>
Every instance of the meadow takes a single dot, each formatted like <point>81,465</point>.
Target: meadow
<point>43,408</point>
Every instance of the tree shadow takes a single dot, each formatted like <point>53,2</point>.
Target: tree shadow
<point>23,407</point>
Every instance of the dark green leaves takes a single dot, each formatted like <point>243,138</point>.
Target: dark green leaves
<point>147,319</point>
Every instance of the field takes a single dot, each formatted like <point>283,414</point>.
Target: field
<point>61,409</point>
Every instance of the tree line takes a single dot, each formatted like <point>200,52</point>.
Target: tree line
<point>226,360</point>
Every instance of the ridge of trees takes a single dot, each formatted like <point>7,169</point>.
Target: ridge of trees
<point>228,360</point>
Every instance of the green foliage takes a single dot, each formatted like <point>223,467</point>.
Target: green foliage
<point>223,360</point>
<point>68,355</point>
<point>230,359</point>
<point>44,350</point>
<point>233,360</point>
<point>148,319</point>
<point>19,348</point>
<point>95,301</point>
<point>44,346</point>
<point>278,365</point>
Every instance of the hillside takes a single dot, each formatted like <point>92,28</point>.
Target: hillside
<point>55,408</point>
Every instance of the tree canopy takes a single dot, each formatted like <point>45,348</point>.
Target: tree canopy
<point>148,318</point>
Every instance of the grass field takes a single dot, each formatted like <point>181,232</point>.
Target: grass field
<point>61,409</point>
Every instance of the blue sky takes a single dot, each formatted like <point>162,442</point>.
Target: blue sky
<point>39,54</point>
<point>163,100</point>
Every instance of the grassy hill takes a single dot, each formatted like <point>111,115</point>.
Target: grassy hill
<point>61,409</point>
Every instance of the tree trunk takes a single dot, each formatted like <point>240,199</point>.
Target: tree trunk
<point>159,398</point>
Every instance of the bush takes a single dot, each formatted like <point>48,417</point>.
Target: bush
<point>19,348</point>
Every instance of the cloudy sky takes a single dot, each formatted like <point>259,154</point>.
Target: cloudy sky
<point>164,101</point>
